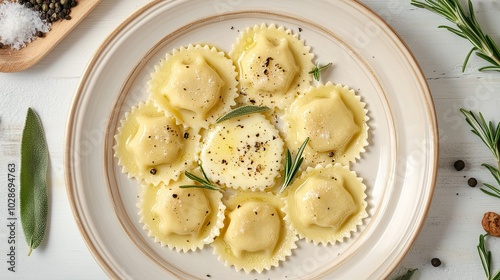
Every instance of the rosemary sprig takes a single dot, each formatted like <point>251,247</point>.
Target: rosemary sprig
<point>241,111</point>
<point>205,182</point>
<point>467,28</point>
<point>317,70</point>
<point>490,135</point>
<point>485,257</point>
<point>291,167</point>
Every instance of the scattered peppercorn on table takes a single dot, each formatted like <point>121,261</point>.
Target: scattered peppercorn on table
<point>446,246</point>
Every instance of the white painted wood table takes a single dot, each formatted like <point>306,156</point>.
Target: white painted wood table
<point>450,232</point>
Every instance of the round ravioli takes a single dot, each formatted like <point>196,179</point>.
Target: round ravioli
<point>255,235</point>
<point>273,65</point>
<point>334,119</point>
<point>244,152</point>
<point>326,204</point>
<point>153,147</point>
<point>196,85</point>
<point>183,219</point>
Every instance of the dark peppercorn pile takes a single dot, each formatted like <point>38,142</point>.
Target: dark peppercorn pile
<point>51,10</point>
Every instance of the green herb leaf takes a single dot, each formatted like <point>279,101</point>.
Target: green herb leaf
<point>241,111</point>
<point>33,179</point>
<point>206,187</point>
<point>316,72</point>
<point>407,275</point>
<point>205,182</point>
<point>467,28</point>
<point>485,257</point>
<point>490,135</point>
<point>292,167</point>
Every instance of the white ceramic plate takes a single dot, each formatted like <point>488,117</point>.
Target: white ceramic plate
<point>399,167</point>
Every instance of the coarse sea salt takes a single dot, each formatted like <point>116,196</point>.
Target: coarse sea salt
<point>19,25</point>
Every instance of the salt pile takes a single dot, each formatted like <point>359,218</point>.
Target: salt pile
<point>19,25</point>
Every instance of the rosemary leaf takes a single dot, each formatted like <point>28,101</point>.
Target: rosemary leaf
<point>494,191</point>
<point>33,181</point>
<point>490,135</point>
<point>203,172</point>
<point>207,187</point>
<point>485,257</point>
<point>292,167</point>
<point>467,27</point>
<point>241,111</point>
<point>495,172</point>
<point>195,178</point>
<point>205,182</point>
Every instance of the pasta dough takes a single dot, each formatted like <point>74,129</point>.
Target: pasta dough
<point>326,204</point>
<point>183,219</point>
<point>152,147</point>
<point>255,235</point>
<point>196,85</point>
<point>273,65</point>
<point>244,152</point>
<point>335,120</point>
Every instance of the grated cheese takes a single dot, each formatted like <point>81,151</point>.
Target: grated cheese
<point>19,25</point>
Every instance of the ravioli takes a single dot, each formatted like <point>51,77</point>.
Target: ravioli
<point>184,219</point>
<point>255,235</point>
<point>152,147</point>
<point>334,119</point>
<point>273,65</point>
<point>326,204</point>
<point>244,152</point>
<point>196,84</point>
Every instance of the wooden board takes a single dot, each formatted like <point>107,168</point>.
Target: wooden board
<point>17,60</point>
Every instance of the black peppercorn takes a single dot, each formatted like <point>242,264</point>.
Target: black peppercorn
<point>459,165</point>
<point>152,171</point>
<point>435,262</point>
<point>472,182</point>
<point>51,10</point>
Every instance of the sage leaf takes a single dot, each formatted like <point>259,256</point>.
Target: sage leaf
<point>33,181</point>
<point>243,110</point>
